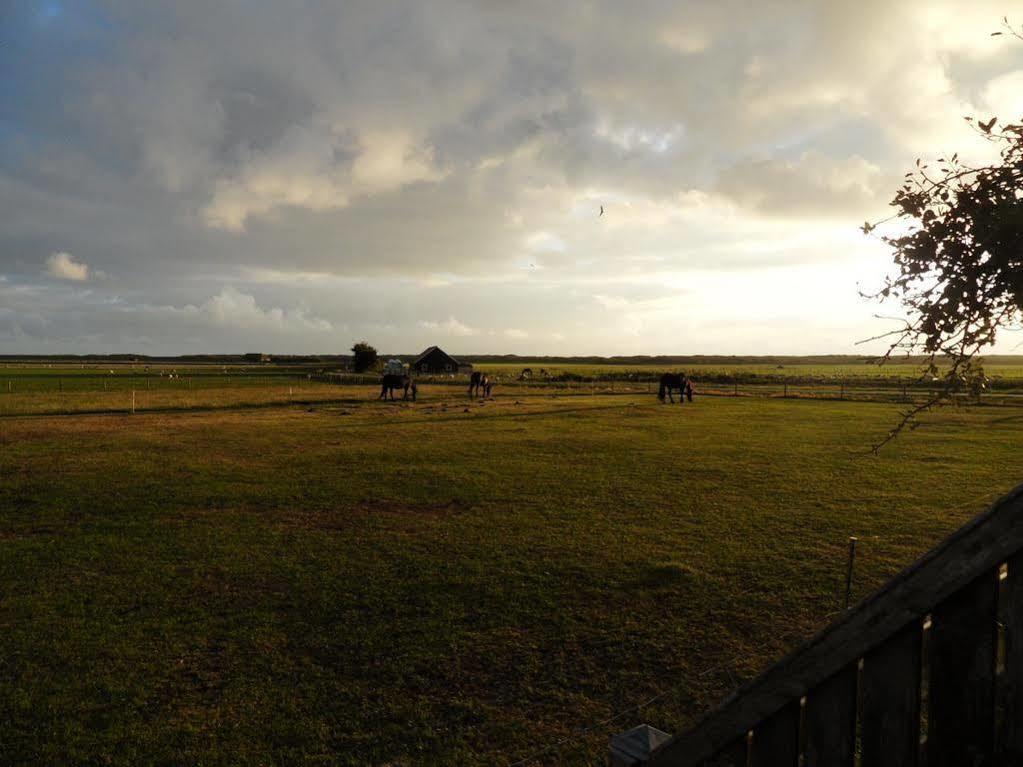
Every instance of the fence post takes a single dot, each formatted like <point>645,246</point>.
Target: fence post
<point>133,402</point>
<point>849,570</point>
<point>785,392</point>
<point>634,747</point>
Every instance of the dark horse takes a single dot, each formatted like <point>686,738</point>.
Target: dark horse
<point>678,381</point>
<point>392,381</point>
<point>479,382</point>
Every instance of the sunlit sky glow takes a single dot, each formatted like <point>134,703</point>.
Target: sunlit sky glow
<point>196,177</point>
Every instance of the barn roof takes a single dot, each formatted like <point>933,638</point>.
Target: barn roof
<point>430,351</point>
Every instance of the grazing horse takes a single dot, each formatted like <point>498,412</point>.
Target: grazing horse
<point>678,381</point>
<point>392,381</point>
<point>479,381</point>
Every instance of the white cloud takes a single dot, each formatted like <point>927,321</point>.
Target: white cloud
<point>544,242</point>
<point>611,302</point>
<point>231,308</point>
<point>516,333</point>
<point>450,326</point>
<point>1003,96</point>
<point>319,169</point>
<point>62,266</point>
<point>809,184</point>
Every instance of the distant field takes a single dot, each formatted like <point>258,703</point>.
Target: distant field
<point>45,374</point>
<point>776,372</point>
<point>353,582</point>
<point>42,389</point>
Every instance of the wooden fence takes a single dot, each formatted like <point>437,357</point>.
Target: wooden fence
<point>927,671</point>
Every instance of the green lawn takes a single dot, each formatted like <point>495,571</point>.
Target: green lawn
<point>367,583</point>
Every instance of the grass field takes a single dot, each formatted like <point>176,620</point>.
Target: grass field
<point>352,582</point>
<point>62,388</point>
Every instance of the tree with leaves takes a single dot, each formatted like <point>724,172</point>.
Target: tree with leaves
<point>364,357</point>
<point>959,261</point>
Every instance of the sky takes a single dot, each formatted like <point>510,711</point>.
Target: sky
<point>248,175</point>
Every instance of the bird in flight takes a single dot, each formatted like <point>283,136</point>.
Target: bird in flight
<point>601,211</point>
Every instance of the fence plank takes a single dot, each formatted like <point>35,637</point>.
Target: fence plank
<point>734,755</point>
<point>776,741</point>
<point>831,721</point>
<point>962,679</point>
<point>1010,684</point>
<point>891,702</point>
<point>978,547</point>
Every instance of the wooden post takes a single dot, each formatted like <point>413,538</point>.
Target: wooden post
<point>962,676</point>
<point>785,391</point>
<point>634,747</point>
<point>849,570</point>
<point>735,388</point>
<point>1010,736</point>
<point>776,739</point>
<point>841,393</point>
<point>133,402</point>
<point>891,700</point>
<point>830,721</point>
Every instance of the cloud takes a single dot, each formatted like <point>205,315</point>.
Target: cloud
<point>809,184</point>
<point>1003,96</point>
<point>235,309</point>
<point>611,302</point>
<point>62,266</point>
<point>516,333</point>
<point>180,147</point>
<point>450,326</point>
<point>319,169</point>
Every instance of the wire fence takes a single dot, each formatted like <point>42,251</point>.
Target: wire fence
<point>44,393</point>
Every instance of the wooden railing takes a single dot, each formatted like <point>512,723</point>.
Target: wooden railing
<point>928,670</point>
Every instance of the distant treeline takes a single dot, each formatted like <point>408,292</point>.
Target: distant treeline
<point>194,359</point>
<point>510,359</point>
<point>719,359</point>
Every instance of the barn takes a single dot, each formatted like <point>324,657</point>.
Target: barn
<point>436,360</point>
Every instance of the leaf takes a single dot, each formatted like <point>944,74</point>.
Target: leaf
<point>996,34</point>
<point>986,127</point>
